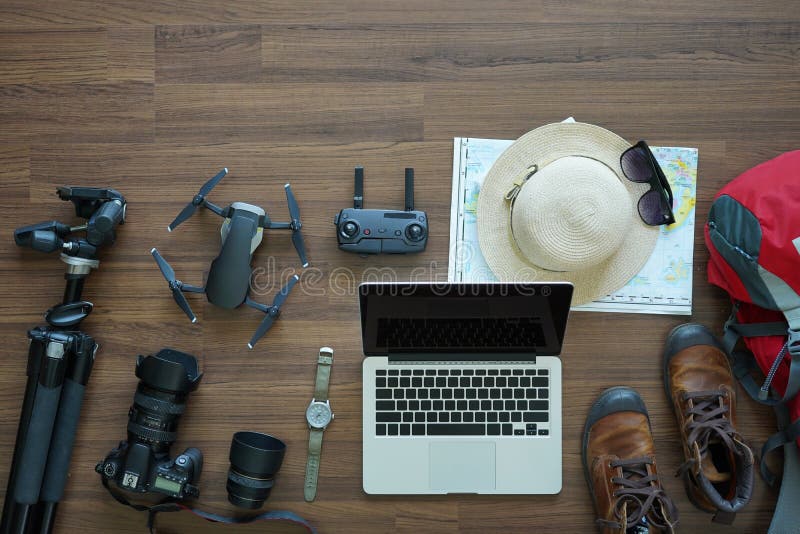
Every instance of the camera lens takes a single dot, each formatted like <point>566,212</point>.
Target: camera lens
<point>165,381</point>
<point>255,460</point>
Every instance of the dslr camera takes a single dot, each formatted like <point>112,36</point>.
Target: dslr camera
<point>142,464</point>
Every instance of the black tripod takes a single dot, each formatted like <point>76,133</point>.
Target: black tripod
<point>60,360</point>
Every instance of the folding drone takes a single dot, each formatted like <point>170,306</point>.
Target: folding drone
<point>228,283</point>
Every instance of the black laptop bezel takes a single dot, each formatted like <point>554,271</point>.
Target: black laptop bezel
<point>559,295</point>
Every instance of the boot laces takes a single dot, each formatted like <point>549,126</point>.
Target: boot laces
<point>707,422</point>
<point>639,496</point>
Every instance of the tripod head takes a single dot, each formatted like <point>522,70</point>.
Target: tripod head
<point>104,210</point>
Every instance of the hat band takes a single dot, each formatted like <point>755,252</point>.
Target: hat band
<point>512,194</point>
<point>511,197</point>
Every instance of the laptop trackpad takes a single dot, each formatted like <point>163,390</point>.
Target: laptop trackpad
<point>462,467</point>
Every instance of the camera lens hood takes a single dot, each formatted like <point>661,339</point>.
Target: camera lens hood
<point>255,460</point>
<point>169,370</point>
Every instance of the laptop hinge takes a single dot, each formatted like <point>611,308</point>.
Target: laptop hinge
<point>442,358</point>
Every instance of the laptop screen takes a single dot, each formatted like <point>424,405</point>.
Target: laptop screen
<point>464,318</point>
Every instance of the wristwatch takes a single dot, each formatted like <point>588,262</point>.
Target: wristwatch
<point>319,416</point>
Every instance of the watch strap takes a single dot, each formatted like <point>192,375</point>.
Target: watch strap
<point>324,363</point>
<point>312,464</point>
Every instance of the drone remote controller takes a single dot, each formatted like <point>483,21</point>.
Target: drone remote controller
<point>371,231</point>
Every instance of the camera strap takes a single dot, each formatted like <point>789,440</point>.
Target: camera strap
<point>173,506</point>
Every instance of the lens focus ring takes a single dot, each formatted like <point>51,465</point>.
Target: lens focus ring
<point>158,406</point>
<point>249,482</point>
<point>151,434</point>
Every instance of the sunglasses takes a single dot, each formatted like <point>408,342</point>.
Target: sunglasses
<point>640,166</point>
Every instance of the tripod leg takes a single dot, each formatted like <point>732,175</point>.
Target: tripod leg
<point>35,355</point>
<point>69,410</point>
<point>33,458</point>
<point>28,483</point>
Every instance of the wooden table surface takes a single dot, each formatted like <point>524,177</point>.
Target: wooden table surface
<point>153,97</point>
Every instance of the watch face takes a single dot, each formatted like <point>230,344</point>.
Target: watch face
<point>319,414</point>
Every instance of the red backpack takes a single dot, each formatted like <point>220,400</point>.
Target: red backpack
<point>753,235</point>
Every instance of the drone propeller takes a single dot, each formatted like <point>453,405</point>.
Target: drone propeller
<point>174,285</point>
<point>297,237</point>
<point>273,312</point>
<point>198,199</point>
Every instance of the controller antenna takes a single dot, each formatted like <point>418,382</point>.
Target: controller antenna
<point>409,189</point>
<point>358,193</point>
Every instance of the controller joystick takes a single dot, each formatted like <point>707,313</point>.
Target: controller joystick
<point>349,229</point>
<point>415,232</point>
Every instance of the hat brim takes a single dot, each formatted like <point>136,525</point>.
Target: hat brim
<point>542,146</point>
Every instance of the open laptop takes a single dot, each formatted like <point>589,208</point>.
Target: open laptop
<point>462,387</point>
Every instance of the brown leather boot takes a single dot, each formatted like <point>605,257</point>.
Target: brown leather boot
<point>718,472</point>
<point>620,467</point>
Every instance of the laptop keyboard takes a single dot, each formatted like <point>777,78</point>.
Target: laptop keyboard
<point>484,333</point>
<point>462,402</point>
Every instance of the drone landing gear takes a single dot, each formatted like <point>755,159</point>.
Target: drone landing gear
<point>272,312</point>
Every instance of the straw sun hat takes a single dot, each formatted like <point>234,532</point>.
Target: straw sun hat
<point>556,207</point>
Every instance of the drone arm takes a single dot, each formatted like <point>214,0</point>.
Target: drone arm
<point>268,224</point>
<point>222,212</point>
<point>192,289</point>
<point>278,225</point>
<point>257,305</point>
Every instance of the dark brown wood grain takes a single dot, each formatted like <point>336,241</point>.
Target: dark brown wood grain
<point>154,97</point>
<point>198,54</point>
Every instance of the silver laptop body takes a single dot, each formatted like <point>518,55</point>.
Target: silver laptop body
<point>462,387</point>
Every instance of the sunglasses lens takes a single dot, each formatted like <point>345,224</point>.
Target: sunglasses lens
<point>653,208</point>
<point>636,165</point>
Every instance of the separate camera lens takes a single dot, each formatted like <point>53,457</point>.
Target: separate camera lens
<point>255,460</point>
<point>415,232</point>
<point>349,229</point>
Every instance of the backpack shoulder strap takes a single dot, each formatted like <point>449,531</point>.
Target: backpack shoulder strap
<point>788,433</point>
<point>742,363</point>
<point>785,518</point>
<point>733,330</point>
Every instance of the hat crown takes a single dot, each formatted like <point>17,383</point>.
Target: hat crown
<point>571,215</point>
